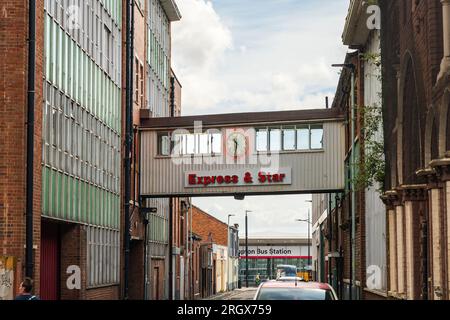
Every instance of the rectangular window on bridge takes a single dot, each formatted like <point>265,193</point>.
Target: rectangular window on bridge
<point>275,139</point>
<point>163,144</point>
<point>316,136</point>
<point>190,144</point>
<point>303,137</point>
<point>261,140</point>
<point>289,139</point>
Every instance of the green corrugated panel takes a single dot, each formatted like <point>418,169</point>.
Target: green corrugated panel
<point>99,206</point>
<point>87,194</point>
<point>73,197</point>
<point>68,202</point>
<point>84,201</point>
<point>104,206</point>
<point>45,190</point>
<point>64,209</point>
<point>60,194</point>
<point>110,206</point>
<point>118,212</point>
<point>92,205</point>
<point>52,195</point>
<point>96,211</point>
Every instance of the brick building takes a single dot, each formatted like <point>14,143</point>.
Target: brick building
<point>213,251</point>
<point>416,98</point>
<point>156,93</point>
<point>338,220</point>
<point>77,143</point>
<point>79,112</point>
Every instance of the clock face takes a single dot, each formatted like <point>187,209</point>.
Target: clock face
<point>236,144</point>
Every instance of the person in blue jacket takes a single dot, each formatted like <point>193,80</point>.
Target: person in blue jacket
<point>26,287</point>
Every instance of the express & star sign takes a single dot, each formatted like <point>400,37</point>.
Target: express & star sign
<point>251,177</point>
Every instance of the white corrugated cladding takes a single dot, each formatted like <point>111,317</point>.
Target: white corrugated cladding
<point>312,171</point>
<point>375,209</point>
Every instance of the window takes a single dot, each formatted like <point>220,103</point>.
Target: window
<point>189,144</point>
<point>102,256</point>
<point>261,140</point>
<point>216,143</point>
<point>289,139</point>
<point>141,73</point>
<point>316,136</point>
<point>275,140</point>
<point>303,138</point>
<point>203,144</point>
<point>163,144</point>
<point>136,81</point>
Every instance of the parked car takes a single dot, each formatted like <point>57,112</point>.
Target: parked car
<point>285,270</point>
<point>285,279</point>
<point>295,290</point>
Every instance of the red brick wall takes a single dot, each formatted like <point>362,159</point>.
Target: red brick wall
<point>204,224</point>
<point>70,254</point>
<point>137,270</point>
<point>13,113</point>
<point>105,293</point>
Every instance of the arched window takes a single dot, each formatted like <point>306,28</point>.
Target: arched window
<point>447,133</point>
<point>412,128</point>
<point>435,139</point>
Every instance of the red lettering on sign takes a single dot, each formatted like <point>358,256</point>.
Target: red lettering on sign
<point>192,179</point>
<point>262,177</point>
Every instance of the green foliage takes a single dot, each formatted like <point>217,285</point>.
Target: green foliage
<point>370,168</point>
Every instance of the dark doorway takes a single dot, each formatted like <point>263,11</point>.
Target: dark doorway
<point>50,261</point>
<point>155,278</point>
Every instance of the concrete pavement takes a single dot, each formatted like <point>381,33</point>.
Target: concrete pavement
<point>237,294</point>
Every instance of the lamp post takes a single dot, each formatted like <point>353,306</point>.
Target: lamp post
<point>246,247</point>
<point>229,251</point>
<point>230,215</point>
<point>308,220</point>
<point>352,68</point>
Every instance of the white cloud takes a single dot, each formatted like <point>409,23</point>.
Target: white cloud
<point>200,40</point>
<point>258,56</point>
<point>257,63</point>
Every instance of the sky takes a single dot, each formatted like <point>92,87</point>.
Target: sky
<point>258,55</point>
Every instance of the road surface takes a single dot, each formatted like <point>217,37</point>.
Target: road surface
<point>238,294</point>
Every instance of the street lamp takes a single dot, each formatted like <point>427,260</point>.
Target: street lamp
<point>229,250</point>
<point>308,220</point>
<point>230,215</point>
<point>246,247</point>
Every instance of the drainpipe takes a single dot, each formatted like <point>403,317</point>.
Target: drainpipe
<point>330,240</point>
<point>145,258</point>
<point>172,96</point>
<point>353,195</point>
<point>30,136</point>
<point>171,248</point>
<point>186,250</point>
<point>192,255</point>
<point>128,140</point>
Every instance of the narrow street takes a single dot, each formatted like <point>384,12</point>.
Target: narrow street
<point>174,150</point>
<point>238,294</point>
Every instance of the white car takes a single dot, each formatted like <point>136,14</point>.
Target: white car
<point>295,290</point>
